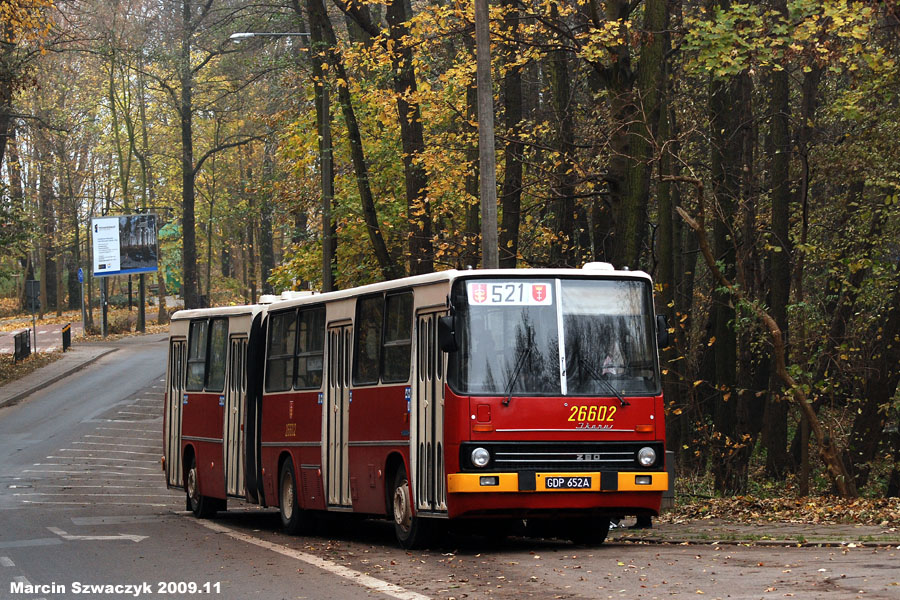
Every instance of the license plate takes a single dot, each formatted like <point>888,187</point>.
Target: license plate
<point>567,483</point>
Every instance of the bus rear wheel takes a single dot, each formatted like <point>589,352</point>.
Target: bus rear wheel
<point>203,507</point>
<point>291,513</point>
<point>411,531</point>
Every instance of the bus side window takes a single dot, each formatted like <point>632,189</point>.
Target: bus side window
<point>197,356</point>
<point>367,346</point>
<point>397,338</point>
<point>218,353</point>
<point>280,357</point>
<point>310,348</point>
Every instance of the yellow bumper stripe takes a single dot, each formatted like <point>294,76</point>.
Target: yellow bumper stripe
<point>458,483</point>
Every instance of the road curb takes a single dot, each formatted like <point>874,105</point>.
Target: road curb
<point>759,543</point>
<point>16,398</point>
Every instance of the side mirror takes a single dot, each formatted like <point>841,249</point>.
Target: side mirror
<point>662,331</point>
<point>447,334</point>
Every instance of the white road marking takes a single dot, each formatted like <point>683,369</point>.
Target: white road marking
<point>117,421</point>
<point>378,585</point>
<point>21,579</point>
<point>31,543</point>
<point>67,486</point>
<point>113,466</point>
<point>116,519</point>
<point>133,460</point>
<point>97,538</point>
<point>93,495</point>
<point>144,430</point>
<point>119,437</point>
<point>153,504</point>
<point>115,445</point>
<point>139,414</point>
<point>74,472</point>
<point>110,451</point>
<point>6,561</point>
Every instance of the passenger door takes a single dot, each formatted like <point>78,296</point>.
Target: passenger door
<point>428,417</point>
<point>174,400</point>
<point>235,401</point>
<point>337,419</point>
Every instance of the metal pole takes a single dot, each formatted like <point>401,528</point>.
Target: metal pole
<point>104,305</point>
<point>83,313</point>
<point>142,302</point>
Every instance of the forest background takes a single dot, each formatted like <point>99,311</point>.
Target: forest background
<point>743,153</point>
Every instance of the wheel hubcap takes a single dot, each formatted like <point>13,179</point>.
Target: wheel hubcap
<point>402,506</point>
<point>287,497</point>
<point>192,483</point>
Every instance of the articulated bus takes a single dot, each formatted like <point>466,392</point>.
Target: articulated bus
<point>511,395</point>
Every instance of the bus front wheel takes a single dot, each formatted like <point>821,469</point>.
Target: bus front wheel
<point>203,507</point>
<point>411,531</point>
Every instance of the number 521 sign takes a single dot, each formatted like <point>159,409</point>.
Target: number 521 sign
<point>509,293</point>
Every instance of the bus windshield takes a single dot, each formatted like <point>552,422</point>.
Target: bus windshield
<point>554,337</point>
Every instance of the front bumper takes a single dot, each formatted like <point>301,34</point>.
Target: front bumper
<point>600,481</point>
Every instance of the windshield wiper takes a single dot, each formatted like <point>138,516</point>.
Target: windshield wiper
<point>602,379</point>
<point>519,364</point>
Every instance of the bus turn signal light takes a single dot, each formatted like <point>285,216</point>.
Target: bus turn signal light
<point>644,429</point>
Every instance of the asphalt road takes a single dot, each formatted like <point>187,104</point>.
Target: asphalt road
<point>83,502</point>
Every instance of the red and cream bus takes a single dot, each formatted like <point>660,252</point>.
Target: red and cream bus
<point>504,394</point>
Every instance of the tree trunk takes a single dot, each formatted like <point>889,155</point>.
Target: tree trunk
<point>266,245</point>
<point>6,95</point>
<point>48,229</point>
<point>186,109</point>
<point>418,205</point>
<point>319,19</point>
<point>775,428</point>
<point>563,250</point>
<point>471,252</point>
<point>511,190</point>
<point>731,452</point>
<point>642,133</point>
<point>615,76</point>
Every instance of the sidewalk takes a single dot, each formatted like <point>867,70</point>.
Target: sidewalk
<point>76,358</point>
<point>722,532</point>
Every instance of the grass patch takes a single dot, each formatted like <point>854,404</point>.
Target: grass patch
<point>10,371</point>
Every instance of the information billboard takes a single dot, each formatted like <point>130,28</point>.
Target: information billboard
<point>124,245</point>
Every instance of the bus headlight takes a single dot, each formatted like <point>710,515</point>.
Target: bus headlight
<point>646,456</point>
<point>480,457</point>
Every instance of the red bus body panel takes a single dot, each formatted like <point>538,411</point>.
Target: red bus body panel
<point>291,423</point>
<point>202,422</point>
<point>379,426</point>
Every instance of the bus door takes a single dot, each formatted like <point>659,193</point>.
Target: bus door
<point>427,414</point>
<point>337,472</point>
<point>235,401</point>
<point>174,399</point>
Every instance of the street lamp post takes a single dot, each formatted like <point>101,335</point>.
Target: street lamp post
<point>325,162</point>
